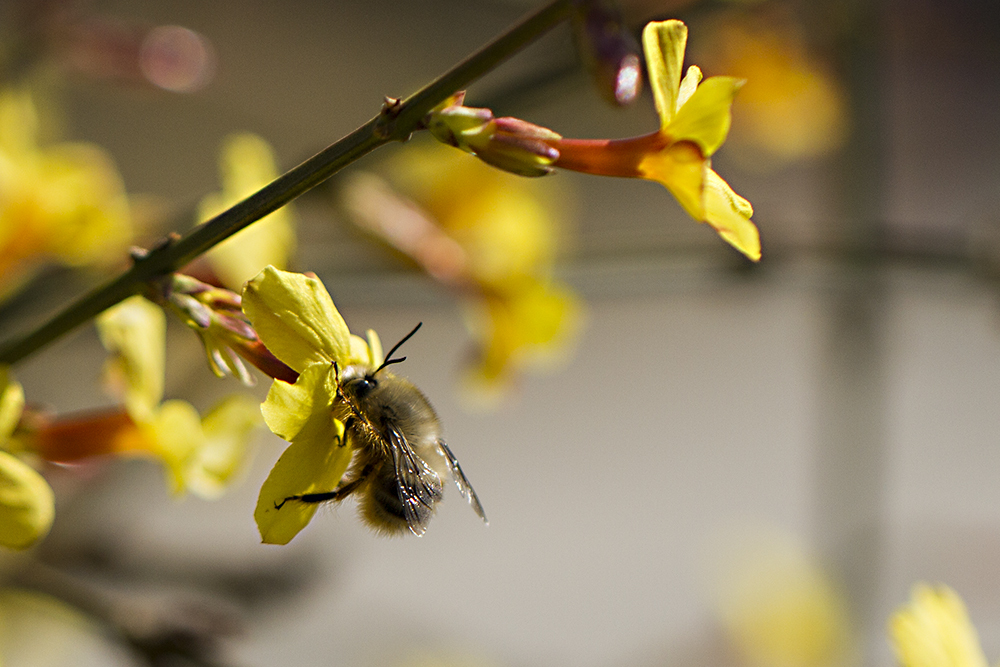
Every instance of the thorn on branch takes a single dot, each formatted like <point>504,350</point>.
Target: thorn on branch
<point>385,126</point>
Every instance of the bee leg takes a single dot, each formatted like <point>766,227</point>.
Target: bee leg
<point>339,493</point>
<point>348,424</point>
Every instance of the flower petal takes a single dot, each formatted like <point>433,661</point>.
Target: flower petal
<point>85,204</point>
<point>296,319</point>
<point>934,630</point>
<point>225,452</point>
<point>27,505</point>
<point>681,169</point>
<point>178,434</point>
<point>314,462</point>
<point>705,118</point>
<point>729,214</point>
<point>134,331</point>
<point>664,43</point>
<point>11,403</point>
<point>689,84</point>
<point>288,407</point>
<point>375,348</point>
<point>248,164</point>
<point>360,352</point>
<point>534,326</point>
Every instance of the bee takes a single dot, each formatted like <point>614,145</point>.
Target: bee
<point>400,457</point>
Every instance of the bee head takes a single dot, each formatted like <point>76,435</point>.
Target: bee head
<point>359,381</point>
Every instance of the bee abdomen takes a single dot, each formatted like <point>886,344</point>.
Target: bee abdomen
<point>382,509</point>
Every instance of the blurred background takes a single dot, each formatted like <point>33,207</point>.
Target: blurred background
<point>712,463</point>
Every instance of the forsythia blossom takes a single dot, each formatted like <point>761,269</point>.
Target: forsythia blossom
<point>694,121</point>
<point>296,319</point>
<point>488,235</point>
<point>779,606</point>
<point>201,454</point>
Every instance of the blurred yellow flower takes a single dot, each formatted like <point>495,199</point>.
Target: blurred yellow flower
<point>490,235</point>
<point>934,630</point>
<point>795,108</point>
<point>27,504</point>
<point>780,608</point>
<point>64,203</point>
<point>201,455</point>
<point>247,164</point>
<point>134,332</point>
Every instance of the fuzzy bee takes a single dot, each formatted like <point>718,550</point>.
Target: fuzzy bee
<point>399,455</point>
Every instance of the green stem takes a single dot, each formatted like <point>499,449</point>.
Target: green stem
<point>394,123</point>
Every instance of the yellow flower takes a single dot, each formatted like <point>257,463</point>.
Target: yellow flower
<point>795,108</point>
<point>27,504</point>
<point>489,235</point>
<point>216,315</point>
<point>63,203</point>
<point>694,122</point>
<point>780,608</point>
<point>297,320</point>
<point>934,630</point>
<point>247,164</point>
<point>134,332</point>
<point>201,455</point>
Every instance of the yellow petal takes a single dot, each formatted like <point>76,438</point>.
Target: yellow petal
<point>689,84</point>
<point>11,403</point>
<point>177,431</point>
<point>536,325</point>
<point>228,428</point>
<point>374,348</point>
<point>247,164</point>
<point>27,505</point>
<point>934,630</point>
<point>360,352</point>
<point>288,407</point>
<point>134,331</point>
<point>296,319</point>
<point>705,117</point>
<point>780,608</point>
<point>681,169</point>
<point>664,43</point>
<point>84,203</point>
<point>314,462</point>
<point>729,214</point>
<point>18,122</point>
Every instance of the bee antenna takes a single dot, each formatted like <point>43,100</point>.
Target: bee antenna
<point>388,358</point>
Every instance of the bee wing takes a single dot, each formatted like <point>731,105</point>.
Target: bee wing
<point>419,486</point>
<point>462,482</point>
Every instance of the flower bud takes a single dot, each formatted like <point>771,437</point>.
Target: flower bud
<point>609,50</point>
<point>216,314</point>
<point>507,143</point>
